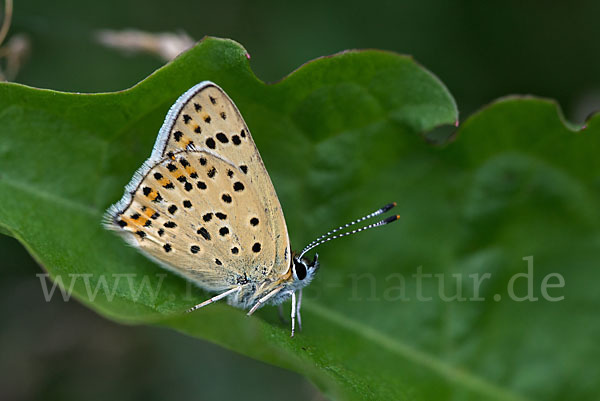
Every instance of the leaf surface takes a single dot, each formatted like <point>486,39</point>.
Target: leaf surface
<point>341,136</point>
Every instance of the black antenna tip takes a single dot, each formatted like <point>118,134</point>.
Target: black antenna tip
<point>388,207</point>
<point>391,219</point>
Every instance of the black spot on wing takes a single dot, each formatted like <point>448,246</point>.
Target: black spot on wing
<point>222,137</point>
<point>204,233</point>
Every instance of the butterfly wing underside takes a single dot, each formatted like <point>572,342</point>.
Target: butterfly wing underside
<point>203,205</point>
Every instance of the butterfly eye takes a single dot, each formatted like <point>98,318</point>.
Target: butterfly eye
<point>299,270</point>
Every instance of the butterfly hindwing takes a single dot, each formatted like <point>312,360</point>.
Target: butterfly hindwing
<point>204,202</point>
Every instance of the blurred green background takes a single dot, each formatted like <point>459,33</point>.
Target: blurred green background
<point>480,50</point>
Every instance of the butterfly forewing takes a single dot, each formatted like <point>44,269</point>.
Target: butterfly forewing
<point>203,204</point>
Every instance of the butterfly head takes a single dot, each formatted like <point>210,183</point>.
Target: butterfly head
<point>303,269</point>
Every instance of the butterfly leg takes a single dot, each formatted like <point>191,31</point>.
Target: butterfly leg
<point>293,313</point>
<point>263,300</point>
<point>215,298</point>
<point>298,316</point>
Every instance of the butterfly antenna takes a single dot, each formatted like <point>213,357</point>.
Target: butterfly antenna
<point>373,214</point>
<point>327,237</point>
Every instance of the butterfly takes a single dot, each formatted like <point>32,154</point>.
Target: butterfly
<point>204,207</point>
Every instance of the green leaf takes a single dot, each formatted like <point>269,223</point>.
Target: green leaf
<point>340,137</point>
